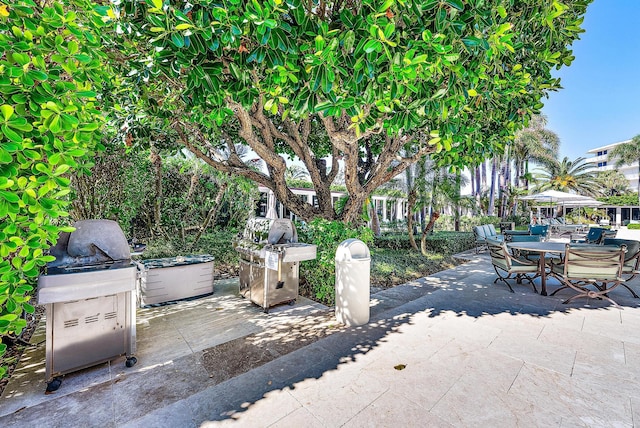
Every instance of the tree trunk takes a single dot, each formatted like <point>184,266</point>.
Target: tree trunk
<point>638,181</point>
<point>479,190</point>
<point>363,172</point>
<point>492,190</point>
<point>213,212</point>
<point>156,161</point>
<point>427,230</point>
<point>456,204</point>
<point>411,202</point>
<point>375,220</point>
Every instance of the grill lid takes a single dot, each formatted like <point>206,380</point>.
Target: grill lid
<point>93,242</point>
<point>260,230</point>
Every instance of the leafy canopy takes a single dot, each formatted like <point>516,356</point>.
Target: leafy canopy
<point>453,78</point>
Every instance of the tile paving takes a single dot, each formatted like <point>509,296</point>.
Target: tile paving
<point>452,349</point>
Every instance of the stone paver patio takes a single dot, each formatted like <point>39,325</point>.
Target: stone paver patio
<point>452,349</point>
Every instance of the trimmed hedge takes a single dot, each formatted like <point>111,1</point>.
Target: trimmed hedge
<point>438,242</point>
<point>633,226</point>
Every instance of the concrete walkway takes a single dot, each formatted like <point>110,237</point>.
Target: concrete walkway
<point>452,349</point>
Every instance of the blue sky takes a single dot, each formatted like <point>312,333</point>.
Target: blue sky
<point>600,102</point>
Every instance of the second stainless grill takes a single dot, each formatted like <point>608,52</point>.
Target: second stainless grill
<point>270,257</point>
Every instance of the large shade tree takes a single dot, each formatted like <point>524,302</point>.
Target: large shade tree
<point>320,79</point>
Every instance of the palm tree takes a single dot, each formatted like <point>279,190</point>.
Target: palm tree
<point>296,172</point>
<point>613,182</point>
<point>567,175</point>
<point>624,153</point>
<point>534,143</point>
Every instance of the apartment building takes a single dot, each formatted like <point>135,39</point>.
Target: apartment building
<point>601,160</point>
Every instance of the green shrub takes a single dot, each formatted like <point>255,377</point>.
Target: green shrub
<point>51,77</point>
<point>218,244</point>
<point>439,242</point>
<point>450,242</point>
<point>393,241</point>
<point>318,276</point>
<point>633,226</point>
<point>519,220</point>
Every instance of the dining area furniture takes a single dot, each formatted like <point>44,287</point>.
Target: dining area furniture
<point>595,235</point>
<point>541,248</point>
<point>484,232</point>
<point>508,266</point>
<point>630,268</point>
<point>593,271</point>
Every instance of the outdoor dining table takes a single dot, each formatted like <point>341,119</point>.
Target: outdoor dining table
<point>542,248</point>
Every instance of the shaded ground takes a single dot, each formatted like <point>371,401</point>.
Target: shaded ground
<point>389,268</point>
<point>249,352</point>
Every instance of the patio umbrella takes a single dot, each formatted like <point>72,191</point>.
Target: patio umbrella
<point>555,196</point>
<point>558,197</point>
<point>271,205</point>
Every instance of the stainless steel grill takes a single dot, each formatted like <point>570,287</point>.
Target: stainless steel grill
<point>89,298</point>
<point>270,257</point>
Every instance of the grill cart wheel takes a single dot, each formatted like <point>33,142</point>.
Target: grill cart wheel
<point>131,361</point>
<point>54,384</point>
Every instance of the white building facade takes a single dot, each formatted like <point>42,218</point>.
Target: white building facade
<point>389,208</point>
<point>603,162</point>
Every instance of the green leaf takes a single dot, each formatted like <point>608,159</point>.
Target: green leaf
<point>177,40</point>
<point>457,4</point>
<point>7,111</point>
<point>386,5</point>
<point>372,45</point>
<point>86,94</point>
<point>9,197</point>
<point>83,58</point>
<point>11,134</point>
<point>54,124</point>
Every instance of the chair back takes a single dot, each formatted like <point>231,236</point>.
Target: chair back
<point>539,230</point>
<point>593,262</point>
<point>499,254</point>
<point>633,249</point>
<point>526,238</point>
<point>595,235</point>
<point>507,225</point>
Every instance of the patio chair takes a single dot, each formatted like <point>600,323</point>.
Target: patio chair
<point>630,269</point>
<point>590,265</point>
<point>509,234</point>
<point>534,257</point>
<point>595,235</point>
<point>542,230</point>
<point>511,267</point>
<point>482,233</point>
